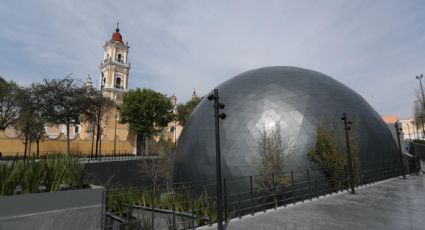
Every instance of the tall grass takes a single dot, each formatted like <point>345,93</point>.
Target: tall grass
<point>10,176</point>
<point>55,172</point>
<point>52,172</point>
<point>32,175</point>
<point>74,173</point>
<point>120,202</point>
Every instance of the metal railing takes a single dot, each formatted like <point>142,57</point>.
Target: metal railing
<point>193,204</point>
<point>107,158</point>
<point>119,156</point>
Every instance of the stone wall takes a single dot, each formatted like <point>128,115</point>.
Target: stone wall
<point>125,172</point>
<point>14,146</point>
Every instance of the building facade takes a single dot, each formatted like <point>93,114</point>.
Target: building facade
<point>410,130</point>
<point>116,138</point>
<point>113,78</point>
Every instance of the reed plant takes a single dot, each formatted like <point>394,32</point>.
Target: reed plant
<point>10,176</point>
<point>33,174</point>
<point>74,171</point>
<point>55,169</point>
<point>52,172</point>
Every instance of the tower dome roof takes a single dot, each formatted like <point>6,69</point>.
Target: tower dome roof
<point>116,36</point>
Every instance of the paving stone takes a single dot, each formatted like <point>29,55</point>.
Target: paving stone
<point>394,204</point>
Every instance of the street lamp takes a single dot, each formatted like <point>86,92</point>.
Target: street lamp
<point>419,77</point>
<point>98,132</point>
<point>175,133</point>
<point>398,132</point>
<point>115,130</point>
<point>218,116</point>
<point>347,128</point>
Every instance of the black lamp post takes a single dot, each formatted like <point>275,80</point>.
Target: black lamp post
<point>419,77</point>
<point>115,130</point>
<point>218,116</point>
<point>98,129</point>
<point>347,128</point>
<point>398,132</point>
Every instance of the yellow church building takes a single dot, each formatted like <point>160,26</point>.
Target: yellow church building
<point>116,138</point>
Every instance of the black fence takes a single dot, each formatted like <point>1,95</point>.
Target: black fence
<point>193,204</point>
<point>105,158</point>
<point>84,158</point>
<point>4,154</point>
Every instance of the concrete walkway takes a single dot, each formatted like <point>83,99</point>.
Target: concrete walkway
<point>394,204</point>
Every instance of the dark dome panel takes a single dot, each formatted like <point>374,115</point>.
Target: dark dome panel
<point>299,99</point>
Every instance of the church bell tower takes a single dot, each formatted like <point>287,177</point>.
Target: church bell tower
<point>115,67</point>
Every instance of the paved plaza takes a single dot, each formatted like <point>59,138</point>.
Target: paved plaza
<point>392,204</point>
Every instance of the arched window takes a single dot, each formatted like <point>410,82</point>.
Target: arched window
<point>103,82</point>
<point>119,58</point>
<point>118,82</point>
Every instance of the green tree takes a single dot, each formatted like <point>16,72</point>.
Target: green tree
<point>9,103</point>
<point>270,159</point>
<point>31,120</point>
<point>64,102</point>
<point>95,112</point>
<point>147,113</point>
<point>185,110</point>
<point>330,154</point>
<point>419,113</point>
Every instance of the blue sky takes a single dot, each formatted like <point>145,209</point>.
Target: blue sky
<point>375,47</point>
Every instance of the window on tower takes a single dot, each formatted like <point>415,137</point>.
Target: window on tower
<point>118,83</point>
<point>119,58</point>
